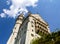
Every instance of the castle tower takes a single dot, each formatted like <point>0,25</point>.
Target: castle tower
<point>28,29</point>
<point>18,24</point>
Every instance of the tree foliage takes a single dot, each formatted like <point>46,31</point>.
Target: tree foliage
<point>53,38</point>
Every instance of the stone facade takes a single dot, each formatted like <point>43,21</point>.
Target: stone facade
<point>27,28</point>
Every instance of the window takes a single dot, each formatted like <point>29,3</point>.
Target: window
<point>32,30</point>
<point>31,21</point>
<point>37,31</point>
<point>15,38</point>
<point>34,19</point>
<point>41,31</point>
<point>32,35</point>
<point>37,22</point>
<point>32,25</point>
<point>22,29</point>
<point>38,26</point>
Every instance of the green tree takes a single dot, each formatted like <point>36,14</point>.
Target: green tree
<point>53,38</point>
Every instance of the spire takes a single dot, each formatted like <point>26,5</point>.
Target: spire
<point>21,15</point>
<point>20,18</point>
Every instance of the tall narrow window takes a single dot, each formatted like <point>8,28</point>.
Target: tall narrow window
<point>32,30</point>
<point>32,25</point>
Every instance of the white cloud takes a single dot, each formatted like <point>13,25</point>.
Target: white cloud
<point>2,15</point>
<point>18,6</point>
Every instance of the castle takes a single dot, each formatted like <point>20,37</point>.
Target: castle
<point>27,28</point>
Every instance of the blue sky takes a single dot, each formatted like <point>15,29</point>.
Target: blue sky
<point>48,9</point>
